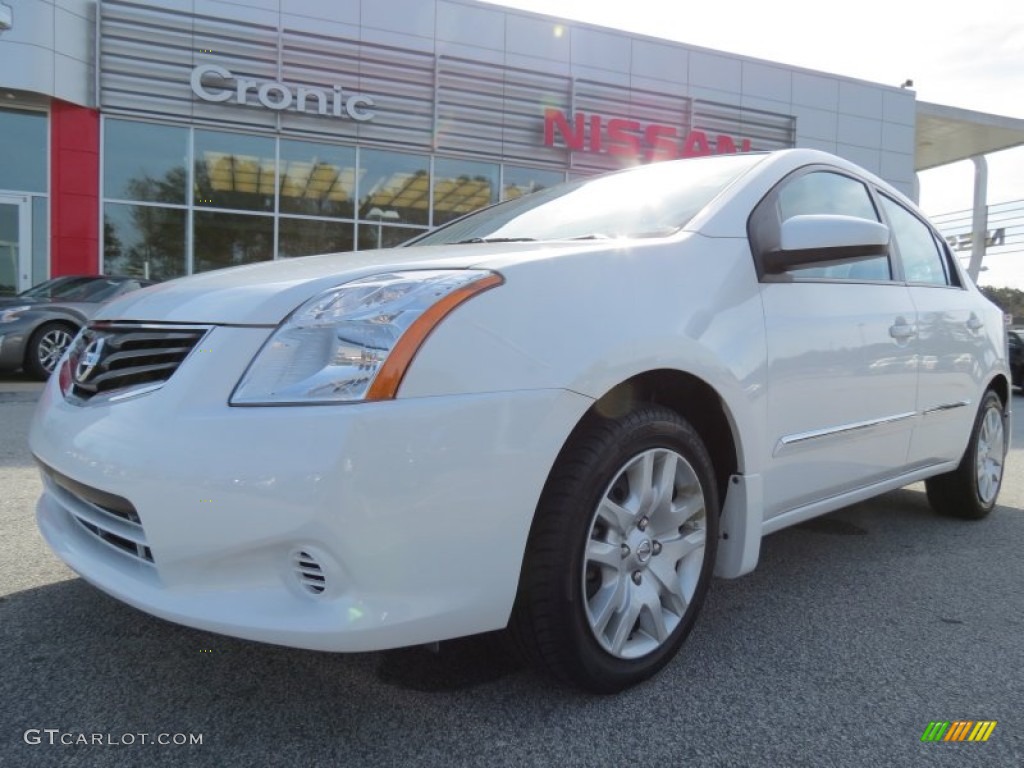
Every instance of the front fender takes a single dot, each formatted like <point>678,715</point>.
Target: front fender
<point>588,321</point>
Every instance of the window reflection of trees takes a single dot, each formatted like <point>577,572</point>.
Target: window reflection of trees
<point>371,236</point>
<point>306,237</point>
<point>229,239</point>
<point>148,242</point>
<point>151,244</point>
<point>163,190</point>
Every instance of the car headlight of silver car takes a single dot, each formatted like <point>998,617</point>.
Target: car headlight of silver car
<point>11,314</point>
<point>356,341</point>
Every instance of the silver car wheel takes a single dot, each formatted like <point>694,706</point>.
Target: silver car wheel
<point>52,345</point>
<point>991,453</point>
<point>644,553</point>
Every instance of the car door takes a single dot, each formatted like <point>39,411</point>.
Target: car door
<point>841,375</point>
<point>950,339</point>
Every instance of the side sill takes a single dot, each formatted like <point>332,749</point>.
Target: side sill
<point>808,511</point>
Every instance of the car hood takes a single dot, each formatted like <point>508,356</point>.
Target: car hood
<point>265,293</point>
<point>24,301</point>
<point>84,308</point>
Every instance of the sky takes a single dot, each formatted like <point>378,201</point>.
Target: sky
<point>969,56</point>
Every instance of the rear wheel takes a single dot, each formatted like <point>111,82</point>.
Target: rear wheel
<point>970,491</point>
<point>621,551</point>
<point>46,347</point>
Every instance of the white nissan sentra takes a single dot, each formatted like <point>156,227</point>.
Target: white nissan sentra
<point>562,414</point>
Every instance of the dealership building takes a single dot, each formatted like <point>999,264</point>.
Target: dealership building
<point>165,138</point>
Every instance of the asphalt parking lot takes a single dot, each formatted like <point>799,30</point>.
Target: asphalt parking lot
<point>856,631</point>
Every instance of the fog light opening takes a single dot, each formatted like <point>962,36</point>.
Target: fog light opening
<point>309,572</point>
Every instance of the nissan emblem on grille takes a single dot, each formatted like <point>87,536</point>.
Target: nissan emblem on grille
<point>113,361</point>
<point>89,359</point>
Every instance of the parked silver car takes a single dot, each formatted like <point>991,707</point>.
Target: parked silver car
<point>37,325</point>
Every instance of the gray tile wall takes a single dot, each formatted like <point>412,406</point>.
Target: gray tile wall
<point>50,51</point>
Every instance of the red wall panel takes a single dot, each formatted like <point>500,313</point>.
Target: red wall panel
<point>74,189</point>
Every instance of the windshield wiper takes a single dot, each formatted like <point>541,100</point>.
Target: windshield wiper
<point>495,240</point>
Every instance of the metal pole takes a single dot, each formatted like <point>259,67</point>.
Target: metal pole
<point>979,220</point>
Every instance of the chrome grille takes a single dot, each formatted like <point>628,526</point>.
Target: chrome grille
<point>111,519</point>
<point>116,357</point>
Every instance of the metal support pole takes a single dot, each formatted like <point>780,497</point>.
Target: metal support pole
<point>979,220</point>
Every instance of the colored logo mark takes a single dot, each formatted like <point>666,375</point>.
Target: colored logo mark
<point>959,730</point>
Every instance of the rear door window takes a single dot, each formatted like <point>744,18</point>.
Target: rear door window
<point>924,260</point>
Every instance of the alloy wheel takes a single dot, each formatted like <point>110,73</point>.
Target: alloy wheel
<point>990,455</point>
<point>644,553</point>
<point>52,345</point>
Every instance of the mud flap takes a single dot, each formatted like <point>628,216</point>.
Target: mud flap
<point>739,543</point>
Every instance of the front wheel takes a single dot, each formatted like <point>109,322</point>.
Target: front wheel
<point>970,491</point>
<point>621,551</point>
<point>45,348</point>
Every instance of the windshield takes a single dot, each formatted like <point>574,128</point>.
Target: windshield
<point>55,287</point>
<point>101,290</point>
<point>649,201</point>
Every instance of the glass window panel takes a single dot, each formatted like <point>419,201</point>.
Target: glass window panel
<point>922,261</point>
<point>306,237</point>
<point>373,236</point>
<point>145,241</point>
<point>394,187</point>
<point>227,240</point>
<point>23,151</point>
<point>144,161</point>
<point>461,186</point>
<point>317,179</point>
<point>815,193</point>
<point>522,181</point>
<point>833,193</point>
<point>233,170</point>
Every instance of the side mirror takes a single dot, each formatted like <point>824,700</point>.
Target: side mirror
<point>826,238</point>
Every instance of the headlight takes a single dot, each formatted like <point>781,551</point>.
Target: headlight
<point>355,342</point>
<point>11,314</point>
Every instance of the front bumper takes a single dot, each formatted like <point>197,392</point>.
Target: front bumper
<point>13,338</point>
<point>415,512</point>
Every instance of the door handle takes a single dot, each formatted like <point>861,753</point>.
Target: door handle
<point>902,330</point>
<point>975,323</point>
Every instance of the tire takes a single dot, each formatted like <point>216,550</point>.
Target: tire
<point>970,491</point>
<point>45,348</point>
<point>601,604</point>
